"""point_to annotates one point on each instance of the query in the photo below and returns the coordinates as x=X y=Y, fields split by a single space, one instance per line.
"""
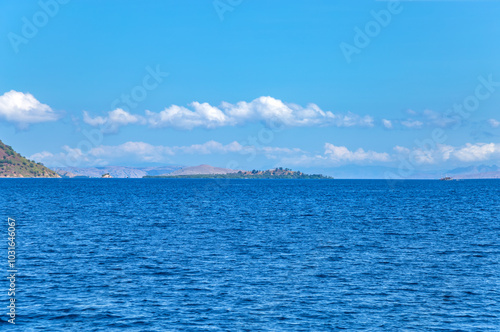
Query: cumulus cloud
x=114 y=120
x=437 y=119
x=68 y=157
x=336 y=155
x=332 y=155
x=387 y=123
x=441 y=153
x=494 y=123
x=137 y=151
x=272 y=111
x=342 y=153
x=438 y=155
x=421 y=156
x=477 y=152
x=202 y=115
x=401 y=149
x=412 y=123
x=23 y=109
x=425 y=118
x=210 y=147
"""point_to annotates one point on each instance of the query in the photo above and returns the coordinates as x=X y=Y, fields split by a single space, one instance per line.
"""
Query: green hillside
x=13 y=165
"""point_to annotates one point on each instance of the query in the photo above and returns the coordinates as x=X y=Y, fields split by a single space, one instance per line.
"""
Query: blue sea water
x=253 y=255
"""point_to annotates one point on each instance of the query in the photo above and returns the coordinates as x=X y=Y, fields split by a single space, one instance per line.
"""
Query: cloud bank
x=136 y=151
x=272 y=111
x=332 y=155
x=23 y=109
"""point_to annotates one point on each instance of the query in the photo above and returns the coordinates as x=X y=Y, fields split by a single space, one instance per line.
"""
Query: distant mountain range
x=381 y=172
x=472 y=172
x=463 y=173
x=476 y=172
x=114 y=171
x=138 y=172
x=202 y=169
x=12 y=164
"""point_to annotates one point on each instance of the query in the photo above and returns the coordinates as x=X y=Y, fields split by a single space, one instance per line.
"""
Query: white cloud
x=213 y=115
x=45 y=156
x=417 y=156
x=436 y=119
x=445 y=151
x=387 y=123
x=23 y=109
x=157 y=153
x=494 y=123
x=442 y=153
x=341 y=153
x=136 y=151
x=272 y=149
x=114 y=120
x=401 y=149
x=423 y=156
x=439 y=155
x=412 y=123
x=425 y=118
x=97 y=121
x=267 y=109
x=210 y=147
x=332 y=155
x=203 y=115
x=478 y=152
x=68 y=157
x=42 y=156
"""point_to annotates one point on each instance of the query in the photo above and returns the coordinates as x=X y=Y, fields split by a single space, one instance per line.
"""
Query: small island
x=277 y=173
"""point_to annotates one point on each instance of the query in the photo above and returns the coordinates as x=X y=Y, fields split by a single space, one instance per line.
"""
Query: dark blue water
x=253 y=255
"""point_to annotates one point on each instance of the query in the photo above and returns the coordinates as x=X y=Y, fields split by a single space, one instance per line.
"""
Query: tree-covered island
x=277 y=173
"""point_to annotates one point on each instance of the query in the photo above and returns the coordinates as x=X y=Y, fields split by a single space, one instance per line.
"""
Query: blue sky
x=312 y=85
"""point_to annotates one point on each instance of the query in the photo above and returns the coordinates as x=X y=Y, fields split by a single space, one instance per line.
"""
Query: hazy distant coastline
x=13 y=165
x=277 y=173
x=207 y=171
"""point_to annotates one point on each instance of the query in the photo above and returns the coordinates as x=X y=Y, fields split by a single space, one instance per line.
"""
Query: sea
x=251 y=255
